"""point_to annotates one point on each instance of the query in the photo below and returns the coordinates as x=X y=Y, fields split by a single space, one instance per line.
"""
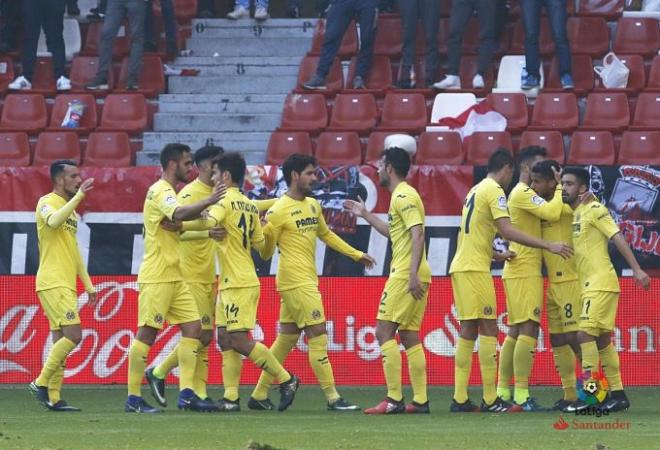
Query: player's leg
x=232 y=365
x=56 y=380
x=391 y=357
x=565 y=359
x=488 y=331
x=204 y=295
x=467 y=309
x=137 y=363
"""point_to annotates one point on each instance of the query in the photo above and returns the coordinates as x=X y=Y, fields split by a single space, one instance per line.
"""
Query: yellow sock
x=55 y=384
x=589 y=357
x=57 y=355
x=488 y=366
x=187 y=361
x=137 y=362
x=201 y=372
x=263 y=358
x=462 y=368
x=417 y=373
x=280 y=349
x=318 y=360
x=392 y=369
x=609 y=359
x=170 y=362
x=565 y=365
x=523 y=360
x=506 y=368
x=232 y=363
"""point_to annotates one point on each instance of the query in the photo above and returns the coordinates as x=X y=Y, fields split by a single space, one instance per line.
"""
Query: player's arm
x=271 y=232
x=264 y=205
x=358 y=208
x=544 y=210
x=257 y=240
x=194 y=210
x=511 y=233
x=86 y=280
x=55 y=218
x=339 y=245
x=194 y=235
x=414 y=285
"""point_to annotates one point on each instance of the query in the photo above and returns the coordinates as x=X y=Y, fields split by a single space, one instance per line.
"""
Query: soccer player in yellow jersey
x=523 y=282
x=59 y=264
x=485 y=213
x=404 y=298
x=294 y=223
x=164 y=296
x=593 y=228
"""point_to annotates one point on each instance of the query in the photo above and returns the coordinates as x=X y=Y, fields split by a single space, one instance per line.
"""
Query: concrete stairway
x=246 y=71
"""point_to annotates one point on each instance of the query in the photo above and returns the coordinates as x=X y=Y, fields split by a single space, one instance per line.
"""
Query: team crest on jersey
x=538 y=201
x=488 y=310
x=158 y=318
x=45 y=209
x=502 y=203
x=170 y=200
x=316 y=314
x=70 y=315
x=537 y=311
x=206 y=319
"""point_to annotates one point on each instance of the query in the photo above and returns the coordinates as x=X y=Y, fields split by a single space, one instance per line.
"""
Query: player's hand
x=642 y=279
x=587 y=198
x=218 y=233
x=504 y=256
x=219 y=191
x=86 y=185
x=367 y=260
x=557 y=175
x=416 y=287
x=91 y=298
x=355 y=207
x=561 y=249
x=169 y=225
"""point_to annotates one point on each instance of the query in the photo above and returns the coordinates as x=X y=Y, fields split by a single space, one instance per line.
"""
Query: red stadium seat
x=467 y=70
x=124 y=112
x=513 y=107
x=120 y=46
x=551 y=140
x=349 y=44
x=376 y=144
x=546 y=44
x=640 y=147
x=654 y=75
x=483 y=144
x=54 y=145
x=152 y=79
x=440 y=148
x=636 y=78
x=334 y=81
x=83 y=71
x=14 y=149
x=24 y=112
x=89 y=118
x=6 y=73
x=588 y=35
x=582 y=71
x=43 y=80
x=647 y=111
x=638 y=35
x=108 y=149
x=555 y=111
x=592 y=147
x=338 y=149
x=404 y=111
x=304 y=112
x=354 y=112
x=284 y=143
x=608 y=9
x=379 y=78
x=184 y=10
x=389 y=36
x=606 y=112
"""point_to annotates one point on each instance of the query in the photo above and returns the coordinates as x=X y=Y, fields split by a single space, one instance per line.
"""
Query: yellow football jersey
x=559 y=269
x=484 y=204
x=59 y=257
x=593 y=227
x=406 y=211
x=240 y=217
x=294 y=226
x=527 y=210
x=161 y=248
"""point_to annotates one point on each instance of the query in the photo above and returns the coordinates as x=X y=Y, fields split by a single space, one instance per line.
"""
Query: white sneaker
x=478 y=82
x=63 y=84
x=238 y=13
x=260 y=13
x=20 y=83
x=450 y=82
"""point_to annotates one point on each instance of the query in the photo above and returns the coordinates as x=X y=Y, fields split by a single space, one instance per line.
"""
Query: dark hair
x=207 y=152
x=544 y=168
x=296 y=163
x=582 y=175
x=172 y=152
x=399 y=159
x=57 y=167
x=234 y=163
x=499 y=160
x=528 y=153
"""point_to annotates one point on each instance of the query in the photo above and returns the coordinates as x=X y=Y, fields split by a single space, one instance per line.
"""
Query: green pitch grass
x=307 y=425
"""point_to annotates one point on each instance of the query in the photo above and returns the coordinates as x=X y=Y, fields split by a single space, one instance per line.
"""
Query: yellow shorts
x=302 y=306
x=564 y=306
x=160 y=302
x=399 y=306
x=238 y=308
x=204 y=295
x=599 y=310
x=474 y=295
x=61 y=307
x=524 y=299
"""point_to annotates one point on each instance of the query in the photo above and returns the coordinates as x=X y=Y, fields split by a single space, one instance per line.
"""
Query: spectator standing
x=72 y=8
x=169 y=20
x=205 y=9
x=242 y=9
x=98 y=14
x=428 y=12
x=294 y=7
x=10 y=11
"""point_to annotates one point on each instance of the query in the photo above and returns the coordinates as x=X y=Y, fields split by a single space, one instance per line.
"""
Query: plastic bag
x=74 y=114
x=613 y=73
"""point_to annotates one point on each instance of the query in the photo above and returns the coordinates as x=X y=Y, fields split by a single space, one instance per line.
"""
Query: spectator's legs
x=531 y=17
x=430 y=20
x=244 y=3
x=115 y=13
x=486 y=16
x=53 y=23
x=169 y=20
x=205 y=6
x=103 y=6
x=501 y=18
x=11 y=24
x=32 y=19
x=556 y=10
x=461 y=11
x=339 y=18
x=261 y=3
x=367 y=17
x=150 y=38
x=322 y=7
x=135 y=9
x=409 y=15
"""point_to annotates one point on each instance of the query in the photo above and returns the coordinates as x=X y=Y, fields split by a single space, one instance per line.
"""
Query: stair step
x=152 y=158
x=216 y=122
x=247 y=23
x=231 y=85
x=249 y=47
x=240 y=69
x=196 y=61
x=226 y=98
x=220 y=107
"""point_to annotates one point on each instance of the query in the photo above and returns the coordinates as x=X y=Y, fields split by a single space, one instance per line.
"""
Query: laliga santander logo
x=592 y=390
x=561 y=424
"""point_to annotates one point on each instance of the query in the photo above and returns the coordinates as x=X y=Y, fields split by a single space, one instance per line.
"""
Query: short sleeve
x=409 y=209
x=166 y=202
x=497 y=203
x=603 y=221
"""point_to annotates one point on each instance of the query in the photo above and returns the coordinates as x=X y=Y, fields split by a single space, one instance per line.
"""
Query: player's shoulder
x=488 y=185
x=405 y=194
x=48 y=198
x=160 y=187
x=189 y=189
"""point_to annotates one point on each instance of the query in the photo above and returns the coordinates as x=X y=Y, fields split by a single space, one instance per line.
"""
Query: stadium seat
x=403 y=111
x=120 y=46
x=480 y=145
x=555 y=111
x=636 y=78
x=283 y=143
x=6 y=73
x=606 y=112
x=654 y=75
x=14 y=150
x=89 y=118
x=582 y=71
x=592 y=147
x=354 y=112
x=54 y=145
x=349 y=44
x=184 y=10
x=334 y=81
x=338 y=149
x=108 y=149
x=438 y=148
x=24 y=112
x=467 y=70
x=588 y=35
x=512 y=106
x=43 y=80
x=376 y=144
x=638 y=35
x=608 y=9
x=389 y=37
x=508 y=75
x=124 y=112
x=72 y=40
x=83 y=71
x=304 y=112
x=551 y=140
x=647 y=112
x=546 y=44
x=640 y=147
x=379 y=78
x=451 y=105
x=152 y=79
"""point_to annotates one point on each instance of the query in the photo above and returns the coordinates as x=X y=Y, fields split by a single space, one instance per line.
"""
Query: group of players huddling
x=550 y=216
